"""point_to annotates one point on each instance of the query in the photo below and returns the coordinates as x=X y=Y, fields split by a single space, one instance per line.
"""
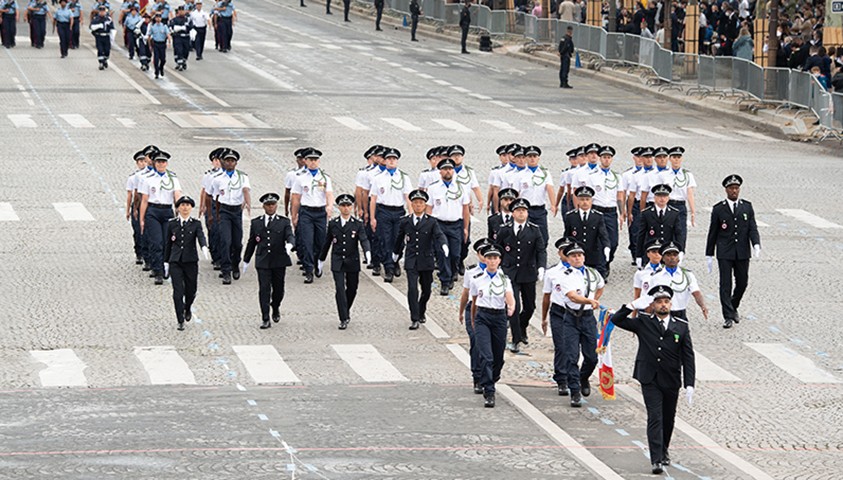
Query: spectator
x=637 y=18
x=837 y=79
x=799 y=53
x=815 y=72
x=579 y=8
x=727 y=30
x=825 y=62
x=783 y=53
x=813 y=60
x=566 y=11
x=743 y=10
x=537 y=10
x=744 y=46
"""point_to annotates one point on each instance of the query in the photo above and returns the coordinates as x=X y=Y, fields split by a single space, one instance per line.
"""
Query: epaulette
x=531 y=223
x=301 y=172
x=628 y=169
x=658 y=270
x=570 y=211
x=679 y=319
x=651 y=208
x=498 y=167
x=434 y=183
x=174 y=219
x=172 y=173
x=478 y=275
x=568 y=271
x=741 y=200
x=595 y=211
x=470 y=267
x=241 y=172
x=671 y=208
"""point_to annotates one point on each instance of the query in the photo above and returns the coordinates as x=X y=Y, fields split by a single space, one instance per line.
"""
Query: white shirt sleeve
x=693 y=286
x=296 y=186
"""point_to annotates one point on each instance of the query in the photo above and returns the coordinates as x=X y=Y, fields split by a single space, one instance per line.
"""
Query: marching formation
x=429 y=228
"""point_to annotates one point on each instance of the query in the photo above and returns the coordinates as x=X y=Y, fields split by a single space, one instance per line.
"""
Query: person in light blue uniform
x=130 y=23
x=125 y=10
x=159 y=38
x=38 y=13
x=75 y=7
x=101 y=27
x=225 y=23
x=9 y=16
x=62 y=21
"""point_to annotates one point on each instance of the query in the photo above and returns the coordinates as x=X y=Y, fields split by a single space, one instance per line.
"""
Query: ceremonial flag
x=604 y=354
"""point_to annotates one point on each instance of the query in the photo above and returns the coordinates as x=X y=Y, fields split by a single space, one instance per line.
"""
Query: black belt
x=313 y=209
x=450 y=223
x=161 y=205
x=537 y=207
x=156 y=42
x=231 y=208
x=62 y=23
x=676 y=202
x=491 y=310
x=391 y=208
x=579 y=313
x=605 y=209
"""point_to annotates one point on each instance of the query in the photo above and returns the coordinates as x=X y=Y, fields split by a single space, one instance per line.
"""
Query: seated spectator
x=815 y=72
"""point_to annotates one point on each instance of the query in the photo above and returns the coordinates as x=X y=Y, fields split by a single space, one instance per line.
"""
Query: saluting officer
x=492 y=300
x=133 y=205
x=312 y=198
x=659 y=221
x=665 y=356
x=182 y=259
x=266 y=232
x=422 y=235
x=346 y=234
x=608 y=199
x=387 y=197
x=448 y=204
x=587 y=227
x=553 y=302
x=159 y=191
x=465 y=311
x=232 y=191
x=206 y=203
x=524 y=261
x=496 y=220
x=732 y=232
x=682 y=281
x=101 y=27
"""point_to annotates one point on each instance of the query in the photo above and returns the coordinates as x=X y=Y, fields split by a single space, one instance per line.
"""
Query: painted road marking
x=710 y=372
x=453 y=125
x=351 y=123
x=798 y=365
x=264 y=364
x=502 y=126
x=76 y=121
x=555 y=127
x=402 y=124
x=807 y=217
x=756 y=135
x=706 y=133
x=164 y=366
x=608 y=130
x=657 y=131
x=367 y=362
x=73 y=212
x=127 y=122
x=22 y=121
x=7 y=213
x=64 y=368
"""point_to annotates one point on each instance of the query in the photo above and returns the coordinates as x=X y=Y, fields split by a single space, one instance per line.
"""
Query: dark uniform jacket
x=593 y=236
x=732 y=233
x=660 y=355
x=415 y=9
x=421 y=240
x=268 y=244
x=524 y=254
x=465 y=17
x=180 y=246
x=566 y=46
x=651 y=229
x=494 y=223
x=346 y=241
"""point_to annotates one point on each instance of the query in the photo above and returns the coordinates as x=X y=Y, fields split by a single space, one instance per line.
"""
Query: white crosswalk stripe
x=480 y=96
x=809 y=218
x=164 y=366
x=710 y=372
x=608 y=130
x=756 y=135
x=502 y=126
x=657 y=131
x=707 y=133
x=330 y=46
x=264 y=364
x=367 y=362
x=526 y=113
x=453 y=125
x=7 y=213
x=22 y=121
x=460 y=89
x=127 y=122
x=351 y=123
x=73 y=212
x=576 y=111
x=544 y=111
x=555 y=127
x=402 y=124
x=796 y=364
x=63 y=368
x=442 y=82
x=500 y=103
x=76 y=121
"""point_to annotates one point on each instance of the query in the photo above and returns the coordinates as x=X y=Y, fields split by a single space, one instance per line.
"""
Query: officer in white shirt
x=232 y=191
x=388 y=198
x=467 y=177
x=159 y=191
x=290 y=177
x=465 y=310
x=492 y=301
x=140 y=177
x=448 y=203
x=682 y=281
x=641 y=280
x=430 y=175
x=508 y=177
x=313 y=200
x=580 y=176
x=363 y=183
x=608 y=199
x=553 y=302
x=206 y=203
x=562 y=194
x=535 y=183
x=494 y=178
x=200 y=20
x=658 y=175
x=133 y=207
x=629 y=187
x=582 y=288
x=682 y=196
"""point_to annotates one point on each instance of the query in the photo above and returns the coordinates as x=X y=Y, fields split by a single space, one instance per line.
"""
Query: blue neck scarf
x=661 y=169
x=160 y=174
x=676 y=170
x=382 y=167
x=533 y=169
x=229 y=173
x=492 y=274
x=566 y=264
x=670 y=270
x=458 y=168
x=592 y=165
x=637 y=168
x=647 y=169
x=481 y=265
x=313 y=172
x=654 y=266
x=605 y=170
x=391 y=170
x=447 y=184
x=581 y=269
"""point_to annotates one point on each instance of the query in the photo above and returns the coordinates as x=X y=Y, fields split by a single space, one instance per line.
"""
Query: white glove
x=681 y=256
x=756 y=251
x=642 y=302
x=689 y=395
x=319 y=265
x=607 y=252
x=206 y=253
x=289 y=248
x=445 y=249
x=96 y=27
x=541 y=273
x=368 y=256
x=394 y=257
x=166 y=269
x=709 y=262
x=638 y=263
x=245 y=267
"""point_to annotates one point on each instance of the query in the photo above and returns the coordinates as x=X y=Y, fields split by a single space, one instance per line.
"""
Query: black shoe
x=657 y=468
x=216 y=266
x=567 y=86
x=576 y=399
x=235 y=274
x=444 y=290
x=396 y=271
x=138 y=261
x=347 y=20
x=489 y=400
x=387 y=277
x=220 y=275
x=461 y=268
x=524 y=339
x=465 y=51
x=181 y=326
x=101 y=67
x=379 y=29
x=301 y=267
x=276 y=316
x=376 y=271
x=265 y=324
x=159 y=279
x=422 y=320
x=308 y=278
x=414 y=325
x=413 y=40
x=477 y=388
x=226 y=279
x=586 y=387
x=562 y=391
x=328 y=13
x=146 y=267
x=188 y=315
x=737 y=318
x=727 y=323
x=369 y=266
x=666 y=459
x=343 y=324
x=152 y=274
x=318 y=272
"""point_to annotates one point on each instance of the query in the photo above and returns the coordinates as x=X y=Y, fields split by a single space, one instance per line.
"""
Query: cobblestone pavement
x=296 y=77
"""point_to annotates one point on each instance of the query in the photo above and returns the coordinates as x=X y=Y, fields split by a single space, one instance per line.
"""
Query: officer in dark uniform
x=101 y=26
x=379 y=4
x=465 y=23
x=180 y=26
x=732 y=231
x=415 y=11
x=181 y=257
x=496 y=220
x=8 y=27
x=38 y=13
x=346 y=6
x=142 y=42
x=665 y=356
x=265 y=232
x=346 y=234
x=421 y=235
x=659 y=221
x=586 y=226
x=566 y=51
x=76 y=7
x=524 y=260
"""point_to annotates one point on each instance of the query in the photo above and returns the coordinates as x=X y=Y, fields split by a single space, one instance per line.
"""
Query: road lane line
x=264 y=364
x=367 y=362
x=7 y=213
x=164 y=366
x=555 y=127
x=402 y=124
x=73 y=212
x=453 y=125
x=756 y=135
x=351 y=123
x=76 y=121
x=807 y=217
x=608 y=130
x=64 y=368
x=201 y=90
x=658 y=131
x=706 y=133
x=796 y=364
x=22 y=121
x=711 y=372
x=502 y=126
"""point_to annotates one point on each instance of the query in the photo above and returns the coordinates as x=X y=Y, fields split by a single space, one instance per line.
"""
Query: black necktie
x=584 y=217
x=661 y=326
x=268 y=221
x=661 y=216
x=416 y=221
x=518 y=230
x=506 y=219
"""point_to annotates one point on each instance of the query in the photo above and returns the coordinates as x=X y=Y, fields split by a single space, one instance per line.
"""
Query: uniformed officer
x=682 y=281
x=496 y=220
x=587 y=227
x=206 y=203
x=535 y=183
x=657 y=175
x=346 y=235
x=467 y=178
x=140 y=177
x=159 y=191
x=387 y=197
x=494 y=181
x=517 y=164
x=423 y=239
x=492 y=301
x=562 y=196
x=346 y=6
x=465 y=311
x=641 y=281
x=312 y=198
x=38 y=13
x=629 y=186
x=290 y=177
x=78 y=19
x=63 y=21
x=374 y=155
x=159 y=39
x=180 y=32
x=657 y=221
x=553 y=303
x=665 y=356
x=524 y=261
x=415 y=11
x=465 y=24
x=232 y=191
x=682 y=196
x=732 y=232
x=182 y=259
x=581 y=161
x=566 y=51
x=133 y=205
x=125 y=9
x=430 y=175
x=101 y=27
x=271 y=241
x=199 y=19
x=580 y=178
x=8 y=22
x=608 y=199
x=142 y=39
x=130 y=23
x=379 y=4
x=448 y=203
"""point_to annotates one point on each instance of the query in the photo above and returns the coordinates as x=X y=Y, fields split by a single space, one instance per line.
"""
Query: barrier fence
x=700 y=73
